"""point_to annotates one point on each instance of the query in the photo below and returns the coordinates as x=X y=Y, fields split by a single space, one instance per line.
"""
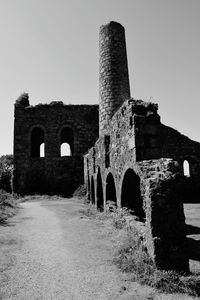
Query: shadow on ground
x=193 y=241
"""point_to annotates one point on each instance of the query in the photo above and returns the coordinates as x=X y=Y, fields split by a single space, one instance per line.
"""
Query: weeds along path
x=50 y=251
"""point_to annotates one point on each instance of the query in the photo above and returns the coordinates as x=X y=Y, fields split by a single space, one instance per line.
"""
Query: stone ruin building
x=134 y=161
x=41 y=164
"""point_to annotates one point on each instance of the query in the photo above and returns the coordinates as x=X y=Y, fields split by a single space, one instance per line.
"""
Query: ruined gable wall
x=52 y=173
x=180 y=148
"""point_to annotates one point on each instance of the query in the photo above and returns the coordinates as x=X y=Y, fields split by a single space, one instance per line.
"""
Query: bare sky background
x=49 y=49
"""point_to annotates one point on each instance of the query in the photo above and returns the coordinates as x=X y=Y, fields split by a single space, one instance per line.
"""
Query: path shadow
x=190 y=229
x=7 y=223
x=193 y=247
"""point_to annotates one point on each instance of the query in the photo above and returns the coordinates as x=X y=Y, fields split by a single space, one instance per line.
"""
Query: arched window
x=131 y=195
x=66 y=142
x=42 y=150
x=186 y=168
x=37 y=142
x=65 y=150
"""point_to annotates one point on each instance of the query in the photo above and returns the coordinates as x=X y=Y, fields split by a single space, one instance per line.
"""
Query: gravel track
x=49 y=251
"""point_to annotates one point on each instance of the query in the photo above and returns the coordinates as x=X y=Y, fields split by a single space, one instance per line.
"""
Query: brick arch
x=111 y=195
x=92 y=191
x=37 y=137
x=131 y=193
x=99 y=191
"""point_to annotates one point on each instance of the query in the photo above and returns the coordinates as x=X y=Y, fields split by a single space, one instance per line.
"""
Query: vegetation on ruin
x=23 y=100
x=8 y=201
x=8 y=206
x=132 y=257
x=6 y=170
x=80 y=192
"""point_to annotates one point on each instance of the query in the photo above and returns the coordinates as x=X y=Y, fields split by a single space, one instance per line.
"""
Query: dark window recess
x=117 y=135
x=66 y=142
x=110 y=190
x=37 y=142
x=107 y=150
x=131 y=121
x=99 y=192
x=92 y=193
x=94 y=161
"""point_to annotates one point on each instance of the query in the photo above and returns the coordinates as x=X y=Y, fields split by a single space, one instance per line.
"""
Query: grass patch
x=131 y=254
x=80 y=193
x=8 y=206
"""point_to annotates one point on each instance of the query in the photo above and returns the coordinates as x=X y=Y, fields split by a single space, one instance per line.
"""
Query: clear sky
x=49 y=49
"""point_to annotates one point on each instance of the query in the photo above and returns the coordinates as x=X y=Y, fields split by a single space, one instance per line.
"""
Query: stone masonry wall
x=137 y=162
x=52 y=173
x=137 y=143
x=113 y=72
x=161 y=190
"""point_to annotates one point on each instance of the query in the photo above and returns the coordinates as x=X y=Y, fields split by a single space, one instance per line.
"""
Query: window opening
x=65 y=150
x=37 y=142
x=107 y=150
x=42 y=150
x=186 y=168
x=66 y=142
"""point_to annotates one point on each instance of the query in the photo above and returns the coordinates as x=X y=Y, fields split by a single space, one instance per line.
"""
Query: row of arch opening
x=130 y=192
x=38 y=142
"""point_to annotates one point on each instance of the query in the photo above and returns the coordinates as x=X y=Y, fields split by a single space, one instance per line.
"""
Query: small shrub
x=80 y=192
x=8 y=206
x=23 y=100
x=6 y=170
x=119 y=217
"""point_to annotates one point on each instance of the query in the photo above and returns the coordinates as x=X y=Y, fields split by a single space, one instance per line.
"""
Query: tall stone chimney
x=113 y=73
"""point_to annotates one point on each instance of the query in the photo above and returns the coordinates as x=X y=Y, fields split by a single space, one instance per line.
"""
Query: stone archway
x=88 y=186
x=111 y=197
x=92 y=191
x=100 y=202
x=131 y=195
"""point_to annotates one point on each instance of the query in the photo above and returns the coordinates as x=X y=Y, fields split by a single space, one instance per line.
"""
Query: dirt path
x=49 y=251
